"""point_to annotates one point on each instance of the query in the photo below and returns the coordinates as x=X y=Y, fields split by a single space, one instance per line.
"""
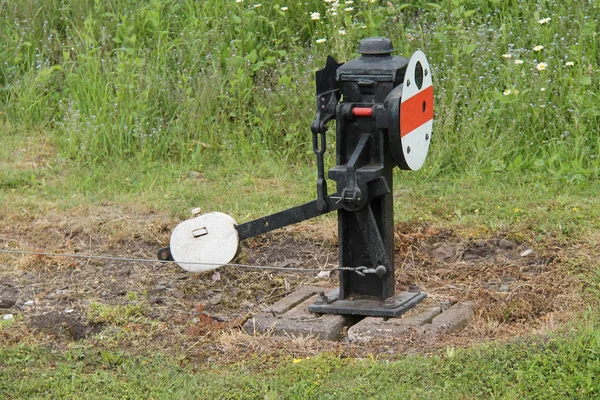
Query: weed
x=6 y=321
x=116 y=314
x=193 y=82
x=206 y=323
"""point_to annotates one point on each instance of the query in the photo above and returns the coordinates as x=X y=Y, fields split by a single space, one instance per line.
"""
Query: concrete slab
x=425 y=320
x=290 y=317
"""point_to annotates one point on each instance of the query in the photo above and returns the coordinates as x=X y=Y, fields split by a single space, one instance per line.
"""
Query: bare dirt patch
x=518 y=289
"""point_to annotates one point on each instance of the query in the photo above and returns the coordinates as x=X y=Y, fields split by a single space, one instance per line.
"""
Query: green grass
x=559 y=367
x=544 y=206
x=176 y=104
x=120 y=314
x=195 y=82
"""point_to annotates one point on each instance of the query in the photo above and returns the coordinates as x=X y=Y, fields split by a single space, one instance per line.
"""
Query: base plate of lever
x=204 y=243
x=392 y=307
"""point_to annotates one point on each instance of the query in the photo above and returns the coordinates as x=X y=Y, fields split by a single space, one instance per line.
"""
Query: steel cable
x=146 y=260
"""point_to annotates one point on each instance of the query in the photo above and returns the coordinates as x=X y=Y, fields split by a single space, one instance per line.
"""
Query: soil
x=519 y=289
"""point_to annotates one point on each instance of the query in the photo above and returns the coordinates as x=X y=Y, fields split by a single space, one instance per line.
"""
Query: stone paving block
x=425 y=320
x=381 y=328
x=453 y=319
x=290 y=317
x=293 y=299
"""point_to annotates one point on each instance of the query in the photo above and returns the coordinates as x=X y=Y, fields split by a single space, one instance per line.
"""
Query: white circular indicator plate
x=204 y=243
x=416 y=111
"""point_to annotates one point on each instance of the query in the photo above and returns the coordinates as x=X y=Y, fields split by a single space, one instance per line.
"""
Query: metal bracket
x=392 y=307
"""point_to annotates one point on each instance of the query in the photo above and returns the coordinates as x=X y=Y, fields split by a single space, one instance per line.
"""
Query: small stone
x=216 y=277
x=7 y=317
x=324 y=274
x=28 y=303
x=160 y=287
x=163 y=282
x=504 y=288
x=218 y=318
x=196 y=320
x=444 y=252
x=69 y=311
x=7 y=302
x=216 y=299
x=178 y=294
x=527 y=252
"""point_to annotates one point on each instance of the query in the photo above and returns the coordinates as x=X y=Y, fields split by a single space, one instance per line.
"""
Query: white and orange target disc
x=416 y=111
x=411 y=106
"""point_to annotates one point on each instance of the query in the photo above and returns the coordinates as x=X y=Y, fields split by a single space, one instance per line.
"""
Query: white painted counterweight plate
x=204 y=243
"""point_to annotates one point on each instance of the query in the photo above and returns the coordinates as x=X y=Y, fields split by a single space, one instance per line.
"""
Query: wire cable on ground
x=146 y=260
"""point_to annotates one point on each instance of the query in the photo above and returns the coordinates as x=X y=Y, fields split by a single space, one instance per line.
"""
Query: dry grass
x=198 y=316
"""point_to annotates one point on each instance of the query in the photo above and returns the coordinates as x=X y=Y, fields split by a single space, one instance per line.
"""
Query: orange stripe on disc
x=415 y=111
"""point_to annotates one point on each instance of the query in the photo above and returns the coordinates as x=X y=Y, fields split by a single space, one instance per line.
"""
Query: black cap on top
x=375 y=46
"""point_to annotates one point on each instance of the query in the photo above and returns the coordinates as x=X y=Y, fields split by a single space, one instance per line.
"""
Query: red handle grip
x=362 y=112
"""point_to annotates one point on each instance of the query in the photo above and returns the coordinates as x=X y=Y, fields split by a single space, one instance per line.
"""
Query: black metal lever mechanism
x=363 y=96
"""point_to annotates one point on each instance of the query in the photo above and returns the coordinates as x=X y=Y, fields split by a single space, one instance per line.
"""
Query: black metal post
x=364 y=160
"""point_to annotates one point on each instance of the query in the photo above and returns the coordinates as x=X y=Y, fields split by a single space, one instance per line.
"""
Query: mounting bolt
x=414 y=289
x=196 y=211
x=322 y=299
x=321 y=206
x=390 y=303
x=380 y=271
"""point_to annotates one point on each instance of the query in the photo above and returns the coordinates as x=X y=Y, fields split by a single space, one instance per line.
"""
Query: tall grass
x=189 y=81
